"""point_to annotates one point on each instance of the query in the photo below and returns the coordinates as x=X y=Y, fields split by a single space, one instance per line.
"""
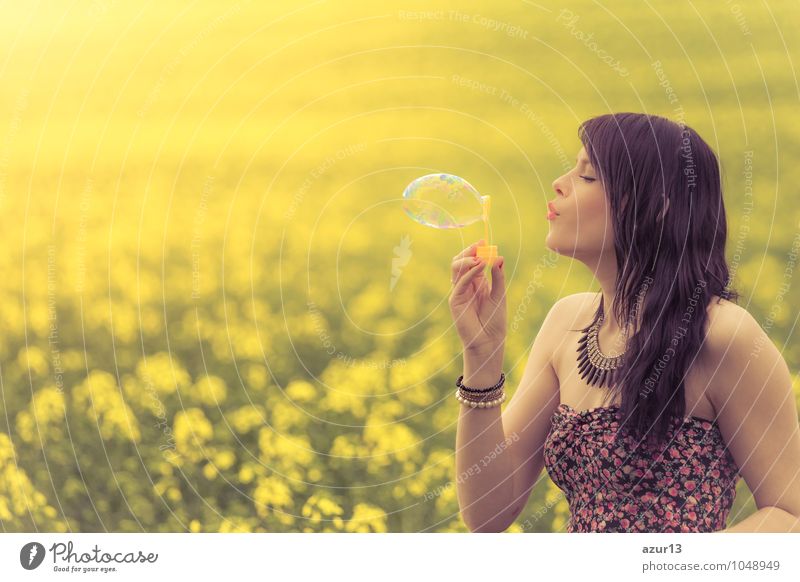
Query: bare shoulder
x=728 y=323
x=566 y=313
x=572 y=310
x=733 y=337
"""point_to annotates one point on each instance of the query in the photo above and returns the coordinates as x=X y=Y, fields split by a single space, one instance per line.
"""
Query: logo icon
x=402 y=254
x=31 y=555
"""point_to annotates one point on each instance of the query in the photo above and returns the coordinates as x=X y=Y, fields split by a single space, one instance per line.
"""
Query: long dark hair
x=669 y=265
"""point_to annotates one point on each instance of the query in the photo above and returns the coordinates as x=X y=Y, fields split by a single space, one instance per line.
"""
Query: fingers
x=466 y=279
x=460 y=266
x=469 y=251
x=498 y=280
x=463 y=261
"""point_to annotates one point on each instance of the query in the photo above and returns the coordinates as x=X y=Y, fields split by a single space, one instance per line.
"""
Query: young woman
x=646 y=401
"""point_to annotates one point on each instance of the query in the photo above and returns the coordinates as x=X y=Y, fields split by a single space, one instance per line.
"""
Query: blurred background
x=216 y=315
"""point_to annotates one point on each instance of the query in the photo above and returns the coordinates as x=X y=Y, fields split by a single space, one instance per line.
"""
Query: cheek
x=593 y=208
x=595 y=214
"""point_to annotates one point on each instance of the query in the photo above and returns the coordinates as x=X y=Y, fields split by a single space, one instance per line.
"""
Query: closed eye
x=588 y=178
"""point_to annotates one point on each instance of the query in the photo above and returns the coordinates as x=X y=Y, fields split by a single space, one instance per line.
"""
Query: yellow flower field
x=216 y=315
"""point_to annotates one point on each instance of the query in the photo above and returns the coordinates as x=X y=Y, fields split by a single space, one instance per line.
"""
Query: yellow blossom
x=367 y=518
x=192 y=431
x=103 y=403
x=163 y=373
x=210 y=390
x=44 y=417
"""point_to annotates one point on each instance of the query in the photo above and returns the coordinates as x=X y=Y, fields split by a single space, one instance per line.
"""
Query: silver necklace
x=593 y=365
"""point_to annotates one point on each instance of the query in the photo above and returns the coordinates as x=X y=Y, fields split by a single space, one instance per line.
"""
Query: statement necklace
x=594 y=366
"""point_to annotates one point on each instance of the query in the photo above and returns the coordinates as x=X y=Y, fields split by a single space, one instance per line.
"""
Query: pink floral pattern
x=689 y=485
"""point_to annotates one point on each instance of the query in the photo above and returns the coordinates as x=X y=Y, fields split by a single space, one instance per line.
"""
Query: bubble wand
x=487 y=251
x=448 y=201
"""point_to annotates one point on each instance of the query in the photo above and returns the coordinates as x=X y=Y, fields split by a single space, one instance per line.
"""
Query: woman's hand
x=479 y=313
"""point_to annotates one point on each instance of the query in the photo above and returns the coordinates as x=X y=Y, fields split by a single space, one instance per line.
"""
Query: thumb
x=498 y=280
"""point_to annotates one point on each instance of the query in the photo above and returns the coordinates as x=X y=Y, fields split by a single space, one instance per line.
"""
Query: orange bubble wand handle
x=487 y=251
x=486 y=203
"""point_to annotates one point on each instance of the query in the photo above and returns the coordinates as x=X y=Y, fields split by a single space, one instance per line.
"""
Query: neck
x=605 y=271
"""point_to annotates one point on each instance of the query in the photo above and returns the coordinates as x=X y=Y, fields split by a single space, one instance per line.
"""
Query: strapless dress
x=687 y=485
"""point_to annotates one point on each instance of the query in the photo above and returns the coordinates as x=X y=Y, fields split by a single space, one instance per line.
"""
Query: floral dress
x=689 y=485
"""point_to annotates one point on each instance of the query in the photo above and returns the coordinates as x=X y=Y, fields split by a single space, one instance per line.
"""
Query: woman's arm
x=757 y=414
x=482 y=482
x=499 y=456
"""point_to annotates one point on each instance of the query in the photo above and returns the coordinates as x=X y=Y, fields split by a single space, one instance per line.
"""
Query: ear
x=663 y=213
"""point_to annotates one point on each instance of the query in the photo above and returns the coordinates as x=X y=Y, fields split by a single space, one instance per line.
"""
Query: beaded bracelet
x=481 y=397
x=481 y=403
x=499 y=384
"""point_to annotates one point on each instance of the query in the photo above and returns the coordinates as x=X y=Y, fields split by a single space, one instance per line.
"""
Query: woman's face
x=583 y=226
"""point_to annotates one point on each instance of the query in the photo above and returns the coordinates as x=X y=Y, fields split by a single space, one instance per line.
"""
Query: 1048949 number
x=756 y=565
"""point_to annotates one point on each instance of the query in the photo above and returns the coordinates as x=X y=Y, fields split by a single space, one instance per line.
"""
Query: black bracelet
x=479 y=390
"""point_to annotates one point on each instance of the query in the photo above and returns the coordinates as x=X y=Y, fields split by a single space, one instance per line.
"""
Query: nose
x=557 y=185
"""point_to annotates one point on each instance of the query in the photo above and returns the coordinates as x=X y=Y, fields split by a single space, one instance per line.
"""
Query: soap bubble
x=443 y=201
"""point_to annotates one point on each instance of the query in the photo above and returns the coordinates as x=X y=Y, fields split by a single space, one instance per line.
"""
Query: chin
x=561 y=249
x=553 y=245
